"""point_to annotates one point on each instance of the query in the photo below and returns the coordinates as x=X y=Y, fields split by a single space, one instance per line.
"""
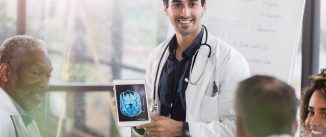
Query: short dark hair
x=166 y=2
x=266 y=105
x=317 y=83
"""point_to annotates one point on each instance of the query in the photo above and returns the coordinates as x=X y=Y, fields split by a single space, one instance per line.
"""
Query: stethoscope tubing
x=193 y=60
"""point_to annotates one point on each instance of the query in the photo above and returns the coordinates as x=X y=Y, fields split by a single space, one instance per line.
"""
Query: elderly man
x=265 y=107
x=25 y=69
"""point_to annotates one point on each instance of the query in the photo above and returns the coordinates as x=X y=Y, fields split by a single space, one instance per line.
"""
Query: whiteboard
x=265 y=32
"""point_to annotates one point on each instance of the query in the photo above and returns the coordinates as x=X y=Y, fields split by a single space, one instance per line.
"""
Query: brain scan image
x=130 y=103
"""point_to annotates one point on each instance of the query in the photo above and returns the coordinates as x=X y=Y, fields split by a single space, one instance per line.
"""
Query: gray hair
x=12 y=46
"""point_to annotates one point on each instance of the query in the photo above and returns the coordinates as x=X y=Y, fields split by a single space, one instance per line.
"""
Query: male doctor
x=25 y=69
x=191 y=77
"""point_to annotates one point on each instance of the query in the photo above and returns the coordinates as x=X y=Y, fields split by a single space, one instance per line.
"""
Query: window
x=8 y=17
x=96 y=41
x=92 y=42
x=322 y=56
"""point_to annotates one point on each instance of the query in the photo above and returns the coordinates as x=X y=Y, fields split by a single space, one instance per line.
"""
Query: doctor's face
x=30 y=78
x=315 y=122
x=185 y=15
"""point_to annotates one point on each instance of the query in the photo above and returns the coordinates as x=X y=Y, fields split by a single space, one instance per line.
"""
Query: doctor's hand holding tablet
x=130 y=102
x=132 y=109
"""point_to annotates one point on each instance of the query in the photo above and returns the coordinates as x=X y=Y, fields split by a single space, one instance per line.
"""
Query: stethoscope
x=189 y=80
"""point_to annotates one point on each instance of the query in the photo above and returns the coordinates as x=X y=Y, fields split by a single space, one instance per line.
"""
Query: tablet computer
x=131 y=102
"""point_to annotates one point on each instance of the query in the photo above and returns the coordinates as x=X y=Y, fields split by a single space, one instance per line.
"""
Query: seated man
x=265 y=107
x=25 y=69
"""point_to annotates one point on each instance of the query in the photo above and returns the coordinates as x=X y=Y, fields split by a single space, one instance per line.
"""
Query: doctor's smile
x=185 y=22
x=317 y=133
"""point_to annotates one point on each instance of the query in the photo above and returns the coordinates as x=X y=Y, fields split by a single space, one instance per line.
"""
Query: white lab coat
x=207 y=115
x=10 y=118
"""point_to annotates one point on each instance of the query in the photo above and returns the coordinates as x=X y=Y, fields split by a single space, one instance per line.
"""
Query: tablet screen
x=131 y=102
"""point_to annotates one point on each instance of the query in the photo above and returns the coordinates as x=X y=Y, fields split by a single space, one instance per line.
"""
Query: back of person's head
x=13 y=46
x=166 y=2
x=265 y=106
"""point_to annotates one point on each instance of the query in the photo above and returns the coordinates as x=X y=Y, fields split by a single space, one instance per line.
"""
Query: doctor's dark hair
x=266 y=106
x=166 y=2
x=13 y=46
x=317 y=83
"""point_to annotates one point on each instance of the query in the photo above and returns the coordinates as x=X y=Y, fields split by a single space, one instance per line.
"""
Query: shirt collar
x=27 y=116
x=191 y=49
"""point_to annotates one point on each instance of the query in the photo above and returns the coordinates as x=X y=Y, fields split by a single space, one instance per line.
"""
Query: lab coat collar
x=27 y=116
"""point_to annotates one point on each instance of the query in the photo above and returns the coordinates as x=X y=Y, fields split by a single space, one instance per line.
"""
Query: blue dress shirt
x=172 y=85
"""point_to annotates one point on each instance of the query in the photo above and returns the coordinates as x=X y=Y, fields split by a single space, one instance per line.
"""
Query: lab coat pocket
x=209 y=108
